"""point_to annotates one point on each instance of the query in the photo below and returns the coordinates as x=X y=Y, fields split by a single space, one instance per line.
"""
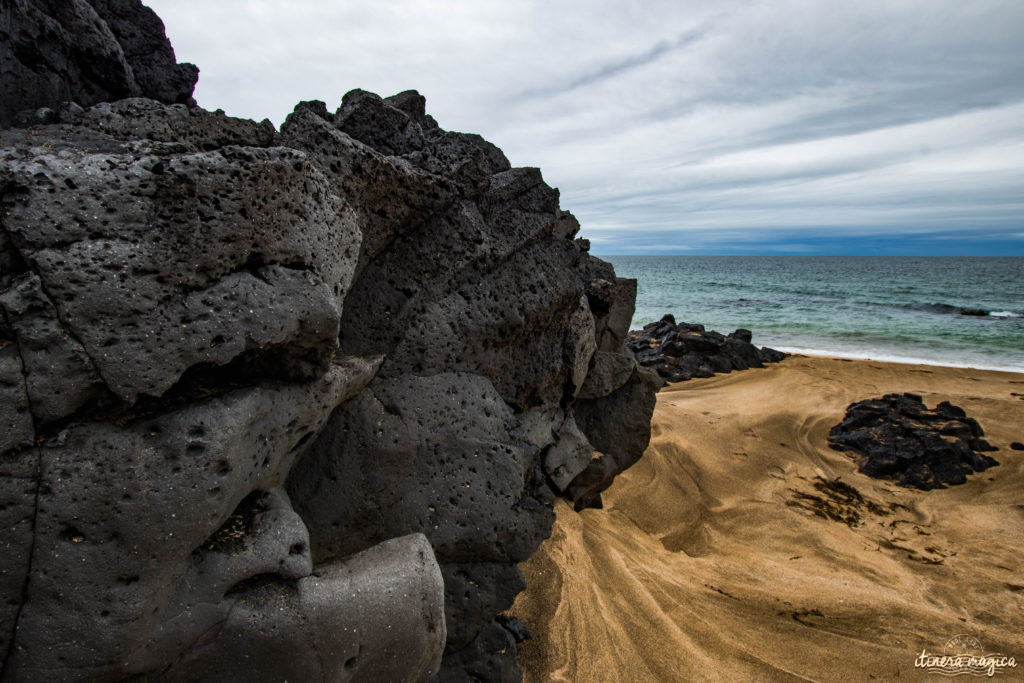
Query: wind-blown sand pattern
x=710 y=560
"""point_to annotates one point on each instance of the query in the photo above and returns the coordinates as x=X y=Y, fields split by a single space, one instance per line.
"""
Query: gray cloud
x=675 y=124
x=611 y=69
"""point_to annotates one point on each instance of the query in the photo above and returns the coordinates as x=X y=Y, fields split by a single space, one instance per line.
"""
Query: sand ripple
x=729 y=552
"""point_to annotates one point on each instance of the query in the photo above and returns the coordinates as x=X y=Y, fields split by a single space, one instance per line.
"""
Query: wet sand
x=710 y=560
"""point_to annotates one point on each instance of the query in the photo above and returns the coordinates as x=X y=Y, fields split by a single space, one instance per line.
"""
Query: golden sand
x=710 y=562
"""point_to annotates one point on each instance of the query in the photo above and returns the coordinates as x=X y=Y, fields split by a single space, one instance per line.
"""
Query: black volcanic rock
x=897 y=437
x=85 y=51
x=147 y=51
x=514 y=626
x=279 y=405
x=618 y=426
x=678 y=352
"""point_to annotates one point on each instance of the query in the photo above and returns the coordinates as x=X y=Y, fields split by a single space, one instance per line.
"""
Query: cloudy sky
x=726 y=126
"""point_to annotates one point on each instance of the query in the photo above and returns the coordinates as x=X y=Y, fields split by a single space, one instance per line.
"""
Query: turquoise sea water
x=894 y=308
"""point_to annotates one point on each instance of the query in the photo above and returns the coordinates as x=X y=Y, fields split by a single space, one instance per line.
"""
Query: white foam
x=893 y=358
x=1004 y=314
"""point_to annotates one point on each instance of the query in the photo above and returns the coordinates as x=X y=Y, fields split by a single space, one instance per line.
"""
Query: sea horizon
x=952 y=311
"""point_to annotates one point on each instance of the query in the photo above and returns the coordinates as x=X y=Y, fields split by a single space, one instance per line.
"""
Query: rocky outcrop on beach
x=678 y=352
x=279 y=404
x=897 y=437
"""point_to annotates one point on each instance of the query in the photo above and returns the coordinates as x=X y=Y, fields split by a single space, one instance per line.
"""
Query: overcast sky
x=874 y=126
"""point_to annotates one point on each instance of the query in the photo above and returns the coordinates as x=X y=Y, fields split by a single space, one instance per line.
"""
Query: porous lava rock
x=897 y=437
x=279 y=404
x=84 y=51
x=678 y=352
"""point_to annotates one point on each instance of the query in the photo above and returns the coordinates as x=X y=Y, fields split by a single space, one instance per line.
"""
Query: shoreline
x=709 y=561
x=895 y=360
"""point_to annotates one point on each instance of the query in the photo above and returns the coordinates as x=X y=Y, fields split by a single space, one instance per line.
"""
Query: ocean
x=891 y=308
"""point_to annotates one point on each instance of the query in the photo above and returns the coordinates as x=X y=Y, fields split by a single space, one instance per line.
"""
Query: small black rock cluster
x=897 y=437
x=682 y=351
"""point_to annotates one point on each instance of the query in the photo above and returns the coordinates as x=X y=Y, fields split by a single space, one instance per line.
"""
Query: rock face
x=279 y=404
x=678 y=352
x=85 y=51
x=897 y=437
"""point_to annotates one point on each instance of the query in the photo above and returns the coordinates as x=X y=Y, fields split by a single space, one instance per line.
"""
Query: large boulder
x=388 y=597
x=278 y=405
x=472 y=287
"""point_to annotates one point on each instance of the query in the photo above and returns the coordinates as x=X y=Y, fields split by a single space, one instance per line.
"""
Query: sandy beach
x=709 y=560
